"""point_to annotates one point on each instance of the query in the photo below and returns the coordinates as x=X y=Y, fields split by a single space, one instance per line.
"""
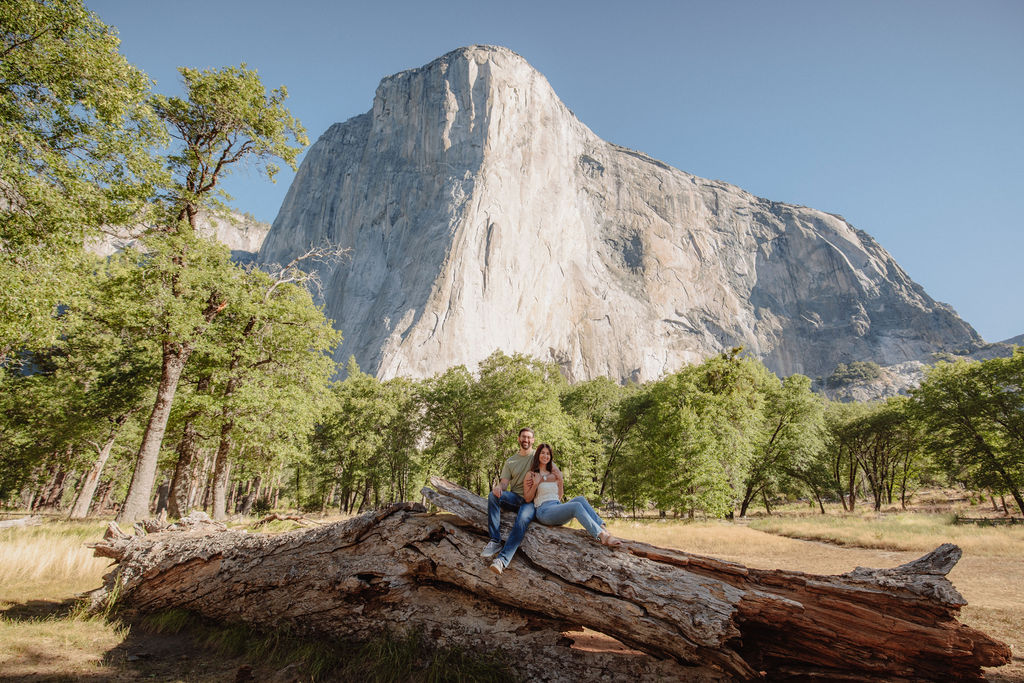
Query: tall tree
x=974 y=418
x=788 y=437
x=75 y=154
x=272 y=339
x=226 y=117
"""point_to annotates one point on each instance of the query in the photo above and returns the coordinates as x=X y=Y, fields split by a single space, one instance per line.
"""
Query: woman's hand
x=530 y=486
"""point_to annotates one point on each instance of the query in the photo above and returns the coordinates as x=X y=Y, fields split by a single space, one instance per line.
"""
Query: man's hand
x=496 y=490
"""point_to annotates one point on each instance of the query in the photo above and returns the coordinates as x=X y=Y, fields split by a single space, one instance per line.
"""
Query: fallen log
x=276 y=517
x=33 y=520
x=403 y=569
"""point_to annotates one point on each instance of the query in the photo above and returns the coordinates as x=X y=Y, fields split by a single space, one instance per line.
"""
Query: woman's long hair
x=535 y=465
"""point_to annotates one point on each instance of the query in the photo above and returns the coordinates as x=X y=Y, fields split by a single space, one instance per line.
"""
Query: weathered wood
x=884 y=623
x=276 y=517
x=404 y=569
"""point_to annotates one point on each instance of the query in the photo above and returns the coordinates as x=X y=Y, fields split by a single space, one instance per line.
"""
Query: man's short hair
x=525 y=429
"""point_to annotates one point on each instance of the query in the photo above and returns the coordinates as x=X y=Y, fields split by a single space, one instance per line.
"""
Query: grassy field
x=990 y=574
x=46 y=637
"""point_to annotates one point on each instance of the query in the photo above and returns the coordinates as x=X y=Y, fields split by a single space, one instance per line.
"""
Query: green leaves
x=226 y=116
x=974 y=418
x=76 y=141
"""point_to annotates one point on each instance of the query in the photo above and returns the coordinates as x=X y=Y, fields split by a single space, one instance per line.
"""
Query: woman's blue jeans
x=553 y=513
x=524 y=515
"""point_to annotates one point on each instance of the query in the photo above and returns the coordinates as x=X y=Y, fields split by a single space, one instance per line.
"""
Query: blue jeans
x=508 y=501
x=554 y=513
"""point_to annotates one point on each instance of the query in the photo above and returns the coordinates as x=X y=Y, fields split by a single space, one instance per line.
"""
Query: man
x=508 y=494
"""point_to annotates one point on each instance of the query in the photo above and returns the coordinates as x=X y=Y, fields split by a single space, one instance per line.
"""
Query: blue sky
x=904 y=116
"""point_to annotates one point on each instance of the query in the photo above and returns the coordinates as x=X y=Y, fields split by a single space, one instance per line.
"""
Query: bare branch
x=326 y=252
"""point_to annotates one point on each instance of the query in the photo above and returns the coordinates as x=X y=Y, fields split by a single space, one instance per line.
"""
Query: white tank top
x=546 y=491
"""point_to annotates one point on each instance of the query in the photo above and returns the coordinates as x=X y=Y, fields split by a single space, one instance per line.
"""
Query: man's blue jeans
x=553 y=513
x=508 y=501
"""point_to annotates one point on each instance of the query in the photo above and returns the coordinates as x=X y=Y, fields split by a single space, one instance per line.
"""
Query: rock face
x=242 y=234
x=483 y=215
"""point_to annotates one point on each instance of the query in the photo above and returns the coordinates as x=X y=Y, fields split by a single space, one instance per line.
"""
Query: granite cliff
x=241 y=233
x=482 y=214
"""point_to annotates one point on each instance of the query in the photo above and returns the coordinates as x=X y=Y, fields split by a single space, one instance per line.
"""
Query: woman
x=543 y=486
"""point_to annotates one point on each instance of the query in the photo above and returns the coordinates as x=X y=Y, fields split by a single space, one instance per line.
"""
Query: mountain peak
x=483 y=215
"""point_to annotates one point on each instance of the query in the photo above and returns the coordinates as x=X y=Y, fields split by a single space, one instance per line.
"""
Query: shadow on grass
x=178 y=644
x=34 y=610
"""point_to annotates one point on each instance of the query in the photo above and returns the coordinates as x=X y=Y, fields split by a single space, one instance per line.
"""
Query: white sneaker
x=497 y=566
x=491 y=549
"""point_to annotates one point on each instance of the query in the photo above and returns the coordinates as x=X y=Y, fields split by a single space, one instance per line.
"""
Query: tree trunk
x=43 y=494
x=853 y=481
x=254 y=493
x=178 y=502
x=403 y=570
x=162 y=492
x=748 y=496
x=221 y=470
x=28 y=496
x=200 y=481
x=136 y=503
x=55 y=492
x=106 y=490
x=80 y=508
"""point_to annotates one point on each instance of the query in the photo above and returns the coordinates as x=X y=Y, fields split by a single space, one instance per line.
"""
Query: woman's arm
x=530 y=486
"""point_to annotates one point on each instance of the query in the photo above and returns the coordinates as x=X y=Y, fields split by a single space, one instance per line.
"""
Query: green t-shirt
x=515 y=469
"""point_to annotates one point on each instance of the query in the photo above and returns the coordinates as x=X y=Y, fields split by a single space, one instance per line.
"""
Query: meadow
x=49 y=636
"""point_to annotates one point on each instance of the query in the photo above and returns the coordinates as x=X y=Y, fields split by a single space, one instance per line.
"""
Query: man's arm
x=499 y=487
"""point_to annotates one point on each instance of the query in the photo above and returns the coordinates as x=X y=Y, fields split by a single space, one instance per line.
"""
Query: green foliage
x=786 y=442
x=694 y=436
x=854 y=373
x=973 y=417
x=364 y=448
x=225 y=117
x=75 y=143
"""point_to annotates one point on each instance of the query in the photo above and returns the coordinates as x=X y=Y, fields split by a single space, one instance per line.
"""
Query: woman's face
x=544 y=457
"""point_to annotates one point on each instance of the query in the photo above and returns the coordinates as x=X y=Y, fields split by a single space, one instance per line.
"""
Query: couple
x=532 y=484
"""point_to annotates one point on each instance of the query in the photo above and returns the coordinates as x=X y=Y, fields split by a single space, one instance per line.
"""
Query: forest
x=168 y=376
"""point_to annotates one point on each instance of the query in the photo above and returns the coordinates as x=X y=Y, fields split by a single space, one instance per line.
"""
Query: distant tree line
x=169 y=377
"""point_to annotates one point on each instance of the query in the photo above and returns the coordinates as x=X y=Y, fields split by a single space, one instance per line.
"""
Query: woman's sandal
x=607 y=539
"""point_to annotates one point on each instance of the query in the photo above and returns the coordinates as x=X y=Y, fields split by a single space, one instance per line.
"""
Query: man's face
x=525 y=440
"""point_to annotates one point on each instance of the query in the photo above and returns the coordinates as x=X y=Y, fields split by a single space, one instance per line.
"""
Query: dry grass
x=989 y=576
x=55 y=646
x=918 y=532
x=50 y=561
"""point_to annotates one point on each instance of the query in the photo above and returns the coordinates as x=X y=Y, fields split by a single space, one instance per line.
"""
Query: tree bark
x=162 y=493
x=136 y=503
x=254 y=493
x=401 y=569
x=43 y=494
x=178 y=498
x=200 y=479
x=221 y=472
x=106 y=490
x=80 y=508
x=55 y=494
